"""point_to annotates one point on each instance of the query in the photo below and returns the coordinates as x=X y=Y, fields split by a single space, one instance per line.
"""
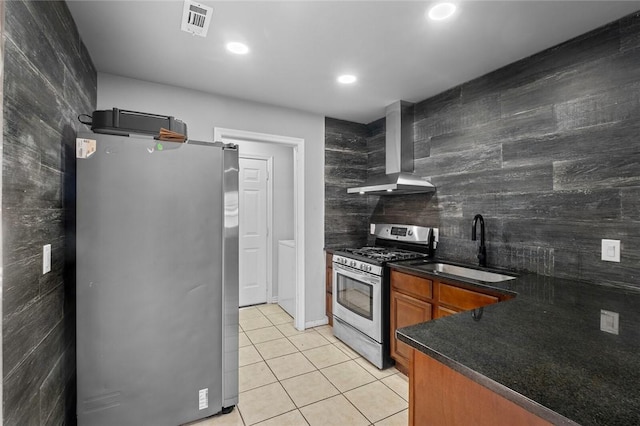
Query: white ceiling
x=298 y=48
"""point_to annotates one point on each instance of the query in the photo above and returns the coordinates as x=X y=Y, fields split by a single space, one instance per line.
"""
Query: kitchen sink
x=464 y=272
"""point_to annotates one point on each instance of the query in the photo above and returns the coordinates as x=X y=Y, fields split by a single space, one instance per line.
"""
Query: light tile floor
x=288 y=377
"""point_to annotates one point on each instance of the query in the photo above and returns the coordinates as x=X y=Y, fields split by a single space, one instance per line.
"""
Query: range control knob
x=410 y=232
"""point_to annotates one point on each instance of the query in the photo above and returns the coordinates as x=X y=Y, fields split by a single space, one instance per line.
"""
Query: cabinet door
x=329 y=288
x=463 y=299
x=439 y=395
x=405 y=311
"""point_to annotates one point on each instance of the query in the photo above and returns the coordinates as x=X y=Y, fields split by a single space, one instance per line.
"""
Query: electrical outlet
x=46 y=259
x=609 y=321
x=611 y=250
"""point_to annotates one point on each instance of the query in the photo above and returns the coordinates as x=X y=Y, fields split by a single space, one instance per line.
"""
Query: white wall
x=202 y=112
x=282 y=196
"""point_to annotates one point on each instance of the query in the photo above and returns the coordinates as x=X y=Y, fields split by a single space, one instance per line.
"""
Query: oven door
x=357 y=298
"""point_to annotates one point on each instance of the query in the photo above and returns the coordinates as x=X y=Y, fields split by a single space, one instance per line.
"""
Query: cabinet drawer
x=410 y=284
x=464 y=299
x=443 y=312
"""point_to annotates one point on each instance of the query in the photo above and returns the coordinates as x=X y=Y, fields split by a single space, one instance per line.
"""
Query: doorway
x=254 y=229
x=297 y=148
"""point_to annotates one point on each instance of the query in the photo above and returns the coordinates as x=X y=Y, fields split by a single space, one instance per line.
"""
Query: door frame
x=234 y=135
x=269 y=160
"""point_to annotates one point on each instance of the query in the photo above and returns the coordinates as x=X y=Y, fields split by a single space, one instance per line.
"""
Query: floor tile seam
x=333 y=396
x=288 y=396
x=279 y=338
x=379 y=420
x=266 y=384
x=338 y=348
x=274 y=324
x=336 y=386
x=304 y=417
x=338 y=363
x=354 y=360
x=312 y=363
x=240 y=414
x=359 y=386
x=281 y=414
x=259 y=354
x=311 y=403
x=251 y=363
x=241 y=310
x=300 y=350
x=255 y=311
x=392 y=390
x=261 y=386
x=357 y=409
x=391 y=415
x=297 y=375
x=245 y=318
x=257 y=328
x=344 y=352
x=265 y=341
x=360 y=411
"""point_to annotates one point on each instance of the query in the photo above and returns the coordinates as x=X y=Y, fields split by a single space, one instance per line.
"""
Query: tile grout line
x=298 y=350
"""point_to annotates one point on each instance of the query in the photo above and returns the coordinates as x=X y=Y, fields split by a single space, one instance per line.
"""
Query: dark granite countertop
x=544 y=349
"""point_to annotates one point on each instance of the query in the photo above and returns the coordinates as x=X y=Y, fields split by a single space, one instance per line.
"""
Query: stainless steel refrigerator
x=157 y=280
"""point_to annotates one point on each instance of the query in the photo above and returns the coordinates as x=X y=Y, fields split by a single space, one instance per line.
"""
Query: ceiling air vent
x=196 y=18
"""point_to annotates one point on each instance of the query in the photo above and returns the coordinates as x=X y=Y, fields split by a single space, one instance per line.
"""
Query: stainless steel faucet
x=482 y=250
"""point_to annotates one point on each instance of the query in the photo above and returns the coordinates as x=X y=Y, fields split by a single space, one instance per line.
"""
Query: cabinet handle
x=476 y=314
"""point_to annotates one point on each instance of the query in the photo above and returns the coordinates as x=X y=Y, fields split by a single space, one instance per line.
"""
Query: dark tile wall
x=49 y=79
x=547 y=149
x=346 y=216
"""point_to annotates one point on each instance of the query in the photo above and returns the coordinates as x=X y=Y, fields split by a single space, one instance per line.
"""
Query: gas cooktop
x=382 y=254
x=392 y=243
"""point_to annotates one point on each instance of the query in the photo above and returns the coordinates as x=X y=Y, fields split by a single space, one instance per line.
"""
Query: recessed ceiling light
x=442 y=11
x=347 y=79
x=237 y=48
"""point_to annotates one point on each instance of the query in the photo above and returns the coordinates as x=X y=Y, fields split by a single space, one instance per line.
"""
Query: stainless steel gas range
x=361 y=286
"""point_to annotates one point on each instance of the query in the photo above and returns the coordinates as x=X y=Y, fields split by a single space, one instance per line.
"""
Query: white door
x=253 y=231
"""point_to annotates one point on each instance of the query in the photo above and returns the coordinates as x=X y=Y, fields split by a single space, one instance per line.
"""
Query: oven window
x=355 y=296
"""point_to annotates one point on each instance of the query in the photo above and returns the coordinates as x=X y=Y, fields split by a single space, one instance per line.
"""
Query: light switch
x=611 y=250
x=46 y=259
x=609 y=321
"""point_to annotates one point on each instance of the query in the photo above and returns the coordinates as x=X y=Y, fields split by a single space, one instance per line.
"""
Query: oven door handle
x=357 y=274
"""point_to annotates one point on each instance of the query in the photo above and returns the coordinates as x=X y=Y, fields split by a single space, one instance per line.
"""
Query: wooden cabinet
x=442 y=311
x=460 y=299
x=406 y=310
x=439 y=395
x=411 y=303
x=329 y=290
x=416 y=299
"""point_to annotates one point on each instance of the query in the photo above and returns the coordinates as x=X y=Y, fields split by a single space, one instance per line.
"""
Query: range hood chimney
x=399 y=178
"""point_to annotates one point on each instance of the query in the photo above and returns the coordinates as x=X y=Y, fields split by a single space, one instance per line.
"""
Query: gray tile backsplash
x=547 y=149
x=49 y=79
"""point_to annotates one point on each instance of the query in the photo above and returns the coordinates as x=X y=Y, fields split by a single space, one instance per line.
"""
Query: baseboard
x=316 y=323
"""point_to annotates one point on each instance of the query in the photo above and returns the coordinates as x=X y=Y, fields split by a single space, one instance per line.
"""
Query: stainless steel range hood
x=399 y=178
